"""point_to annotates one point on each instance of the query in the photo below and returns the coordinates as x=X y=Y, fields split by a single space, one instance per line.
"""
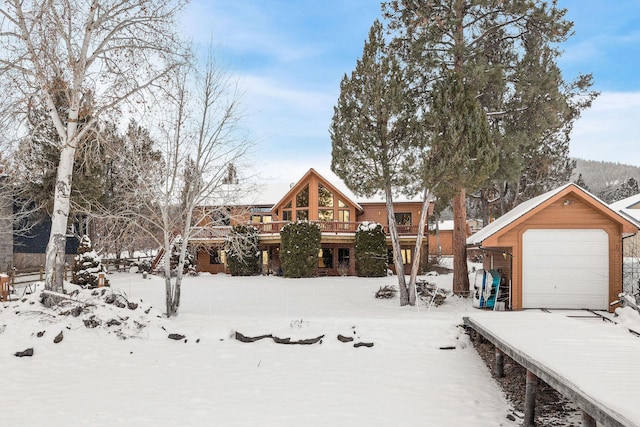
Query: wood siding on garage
x=569 y=212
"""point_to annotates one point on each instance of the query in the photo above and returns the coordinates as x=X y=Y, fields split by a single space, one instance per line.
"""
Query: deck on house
x=593 y=364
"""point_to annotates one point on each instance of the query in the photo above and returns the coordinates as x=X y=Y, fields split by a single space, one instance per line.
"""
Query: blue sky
x=290 y=55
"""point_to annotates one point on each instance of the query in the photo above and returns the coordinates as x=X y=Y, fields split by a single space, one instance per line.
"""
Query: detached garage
x=562 y=249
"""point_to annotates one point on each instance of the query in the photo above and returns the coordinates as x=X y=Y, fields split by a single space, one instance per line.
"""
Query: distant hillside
x=602 y=175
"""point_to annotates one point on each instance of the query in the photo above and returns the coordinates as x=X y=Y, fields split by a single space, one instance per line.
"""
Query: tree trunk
x=54 y=257
x=397 y=251
x=418 y=249
x=460 y=271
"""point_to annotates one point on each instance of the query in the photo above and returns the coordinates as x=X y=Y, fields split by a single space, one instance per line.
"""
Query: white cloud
x=610 y=129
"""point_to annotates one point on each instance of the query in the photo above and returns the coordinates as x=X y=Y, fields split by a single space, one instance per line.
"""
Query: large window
x=287 y=215
x=343 y=257
x=302 y=215
x=325 y=197
x=406 y=254
x=302 y=198
x=403 y=218
x=325 y=258
x=343 y=217
x=215 y=256
x=325 y=214
x=256 y=219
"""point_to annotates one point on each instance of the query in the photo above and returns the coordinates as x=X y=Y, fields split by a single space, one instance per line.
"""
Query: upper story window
x=325 y=196
x=341 y=204
x=403 y=218
x=288 y=205
x=302 y=198
x=258 y=209
x=256 y=219
x=325 y=214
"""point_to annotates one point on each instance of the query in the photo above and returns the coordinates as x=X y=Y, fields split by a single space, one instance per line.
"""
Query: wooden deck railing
x=336 y=227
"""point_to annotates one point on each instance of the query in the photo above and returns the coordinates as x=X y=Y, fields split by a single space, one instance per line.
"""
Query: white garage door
x=565 y=269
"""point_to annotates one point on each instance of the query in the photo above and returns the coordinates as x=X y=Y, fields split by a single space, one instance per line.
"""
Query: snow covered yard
x=95 y=378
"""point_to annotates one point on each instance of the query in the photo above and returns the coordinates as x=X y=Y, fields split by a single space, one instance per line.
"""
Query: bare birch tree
x=200 y=138
x=116 y=50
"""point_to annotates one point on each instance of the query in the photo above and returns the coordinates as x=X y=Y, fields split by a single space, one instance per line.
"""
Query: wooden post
x=530 y=400
x=101 y=279
x=588 y=420
x=499 y=364
x=4 y=287
x=41 y=273
x=13 y=276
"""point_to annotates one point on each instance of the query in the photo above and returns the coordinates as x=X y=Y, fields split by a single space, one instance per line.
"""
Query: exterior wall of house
x=575 y=214
x=211 y=260
x=445 y=239
x=377 y=212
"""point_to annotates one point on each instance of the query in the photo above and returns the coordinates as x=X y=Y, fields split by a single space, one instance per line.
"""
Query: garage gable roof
x=526 y=209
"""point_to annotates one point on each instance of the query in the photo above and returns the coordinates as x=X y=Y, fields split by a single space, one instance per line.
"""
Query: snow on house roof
x=443 y=225
x=270 y=190
x=629 y=207
x=526 y=207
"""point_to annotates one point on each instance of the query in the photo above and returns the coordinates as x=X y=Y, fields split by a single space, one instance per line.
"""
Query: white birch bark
x=415 y=266
x=397 y=250
x=112 y=50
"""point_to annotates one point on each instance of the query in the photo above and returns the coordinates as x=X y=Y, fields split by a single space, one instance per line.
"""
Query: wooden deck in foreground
x=595 y=365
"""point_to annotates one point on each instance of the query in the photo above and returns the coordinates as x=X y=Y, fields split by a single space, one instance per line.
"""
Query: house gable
x=314 y=198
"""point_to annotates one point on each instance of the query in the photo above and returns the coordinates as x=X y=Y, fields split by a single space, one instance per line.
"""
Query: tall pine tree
x=373 y=132
x=503 y=48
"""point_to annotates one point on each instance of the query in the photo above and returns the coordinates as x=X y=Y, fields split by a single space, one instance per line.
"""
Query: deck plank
x=592 y=364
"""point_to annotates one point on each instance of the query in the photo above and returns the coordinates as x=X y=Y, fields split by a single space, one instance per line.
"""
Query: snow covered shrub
x=189 y=260
x=371 y=250
x=299 y=248
x=243 y=255
x=87 y=265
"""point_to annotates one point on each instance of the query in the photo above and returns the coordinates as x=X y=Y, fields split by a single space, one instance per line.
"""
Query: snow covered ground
x=96 y=377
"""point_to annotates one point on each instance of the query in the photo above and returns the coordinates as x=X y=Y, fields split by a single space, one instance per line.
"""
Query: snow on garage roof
x=526 y=207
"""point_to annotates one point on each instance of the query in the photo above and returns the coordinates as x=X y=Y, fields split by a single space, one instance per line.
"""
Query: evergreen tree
x=299 y=248
x=374 y=132
x=87 y=265
x=580 y=183
x=242 y=250
x=371 y=250
x=614 y=193
x=36 y=161
x=507 y=50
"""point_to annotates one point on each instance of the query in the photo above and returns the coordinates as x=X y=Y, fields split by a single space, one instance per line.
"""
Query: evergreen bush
x=87 y=265
x=299 y=248
x=371 y=250
x=243 y=256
